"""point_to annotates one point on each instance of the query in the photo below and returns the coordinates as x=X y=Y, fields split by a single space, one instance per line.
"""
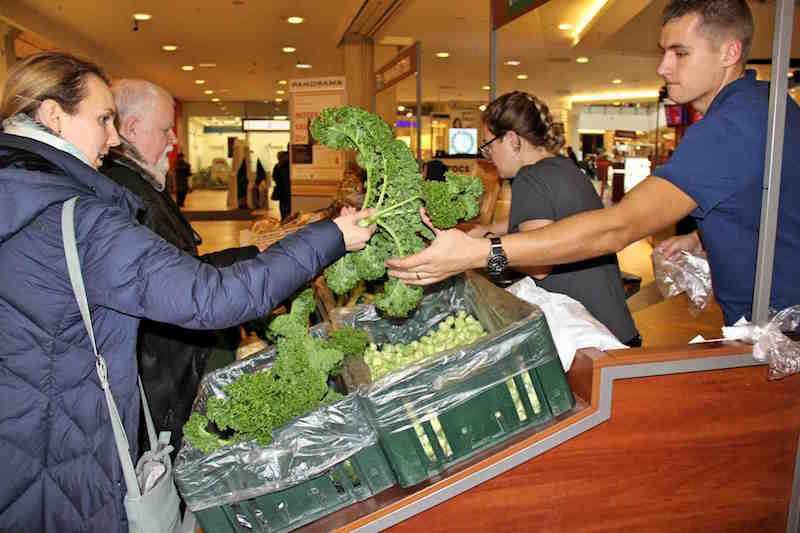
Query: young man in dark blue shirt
x=715 y=175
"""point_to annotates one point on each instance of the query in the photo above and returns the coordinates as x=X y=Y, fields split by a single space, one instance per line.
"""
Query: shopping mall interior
x=248 y=77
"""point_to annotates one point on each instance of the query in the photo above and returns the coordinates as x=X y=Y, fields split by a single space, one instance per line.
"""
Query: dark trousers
x=286 y=207
x=180 y=197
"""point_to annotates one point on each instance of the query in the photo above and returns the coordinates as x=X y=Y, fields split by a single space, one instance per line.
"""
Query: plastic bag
x=769 y=342
x=689 y=273
x=518 y=339
x=304 y=448
x=571 y=324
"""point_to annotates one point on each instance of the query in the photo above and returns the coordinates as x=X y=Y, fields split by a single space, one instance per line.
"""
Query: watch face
x=497 y=263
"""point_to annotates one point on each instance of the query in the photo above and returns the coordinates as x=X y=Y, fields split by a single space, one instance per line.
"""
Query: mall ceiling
x=244 y=38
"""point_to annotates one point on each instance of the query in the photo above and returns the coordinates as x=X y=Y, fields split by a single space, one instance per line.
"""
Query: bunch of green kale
x=256 y=403
x=395 y=188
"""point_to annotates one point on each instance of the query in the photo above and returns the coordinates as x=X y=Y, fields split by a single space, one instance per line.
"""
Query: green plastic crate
x=528 y=399
x=362 y=476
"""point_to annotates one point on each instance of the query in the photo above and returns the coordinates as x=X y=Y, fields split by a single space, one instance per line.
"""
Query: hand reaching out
x=355 y=237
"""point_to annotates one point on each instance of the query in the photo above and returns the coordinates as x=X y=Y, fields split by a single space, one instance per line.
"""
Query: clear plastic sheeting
x=770 y=344
x=517 y=340
x=303 y=449
x=687 y=272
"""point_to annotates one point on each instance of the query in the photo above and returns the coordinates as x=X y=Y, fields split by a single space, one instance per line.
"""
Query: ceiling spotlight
x=295 y=20
x=616 y=81
x=522 y=76
x=215 y=99
x=199 y=82
x=282 y=82
x=442 y=55
x=565 y=26
x=169 y=47
x=280 y=117
x=279 y=100
x=512 y=63
x=206 y=65
x=187 y=67
x=401 y=108
x=486 y=87
x=409 y=114
x=289 y=49
x=280 y=91
x=582 y=60
x=142 y=16
x=208 y=91
x=482 y=107
x=303 y=65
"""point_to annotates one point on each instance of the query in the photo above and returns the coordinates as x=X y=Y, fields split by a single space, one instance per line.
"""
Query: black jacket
x=171 y=359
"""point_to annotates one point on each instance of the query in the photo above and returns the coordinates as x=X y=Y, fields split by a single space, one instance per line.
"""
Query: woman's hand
x=355 y=237
x=675 y=245
x=451 y=253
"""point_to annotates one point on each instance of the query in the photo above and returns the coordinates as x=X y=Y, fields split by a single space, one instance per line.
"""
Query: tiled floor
x=661 y=323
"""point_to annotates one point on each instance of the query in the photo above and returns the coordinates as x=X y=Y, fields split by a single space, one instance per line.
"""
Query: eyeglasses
x=485 y=149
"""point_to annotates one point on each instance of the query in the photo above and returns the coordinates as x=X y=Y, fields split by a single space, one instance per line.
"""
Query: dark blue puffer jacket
x=59 y=470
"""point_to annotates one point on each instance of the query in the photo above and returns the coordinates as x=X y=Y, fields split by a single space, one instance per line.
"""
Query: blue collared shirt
x=720 y=165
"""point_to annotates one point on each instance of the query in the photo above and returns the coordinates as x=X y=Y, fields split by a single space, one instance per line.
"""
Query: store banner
x=504 y=11
x=311 y=85
x=399 y=68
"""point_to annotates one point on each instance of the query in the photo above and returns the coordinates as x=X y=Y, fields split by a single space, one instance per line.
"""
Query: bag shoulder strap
x=79 y=289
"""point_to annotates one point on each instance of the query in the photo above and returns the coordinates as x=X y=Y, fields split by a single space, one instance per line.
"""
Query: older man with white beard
x=171 y=359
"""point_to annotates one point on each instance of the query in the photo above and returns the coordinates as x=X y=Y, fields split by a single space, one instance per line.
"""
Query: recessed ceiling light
x=295 y=20
x=289 y=49
x=409 y=114
x=215 y=99
x=199 y=82
x=582 y=60
x=522 y=76
x=208 y=91
x=280 y=117
x=169 y=47
x=303 y=65
x=482 y=107
x=486 y=87
x=279 y=100
x=206 y=65
x=616 y=81
x=565 y=26
x=442 y=54
x=512 y=63
x=401 y=108
x=187 y=67
x=142 y=16
x=280 y=91
x=282 y=82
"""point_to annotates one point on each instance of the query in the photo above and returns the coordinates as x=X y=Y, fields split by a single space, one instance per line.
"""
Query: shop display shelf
x=364 y=475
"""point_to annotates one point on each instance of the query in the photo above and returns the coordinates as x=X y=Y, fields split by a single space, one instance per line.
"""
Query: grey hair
x=136 y=97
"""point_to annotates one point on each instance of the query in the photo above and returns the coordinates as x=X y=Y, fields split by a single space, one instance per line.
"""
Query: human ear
x=129 y=127
x=50 y=114
x=514 y=139
x=731 y=52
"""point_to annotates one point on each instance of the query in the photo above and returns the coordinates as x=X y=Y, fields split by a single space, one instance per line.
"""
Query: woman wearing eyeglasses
x=523 y=144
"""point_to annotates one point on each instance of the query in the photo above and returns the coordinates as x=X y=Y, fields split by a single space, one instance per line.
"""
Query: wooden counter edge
x=584 y=377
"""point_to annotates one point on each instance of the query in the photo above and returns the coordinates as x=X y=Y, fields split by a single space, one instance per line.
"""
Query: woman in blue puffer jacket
x=60 y=470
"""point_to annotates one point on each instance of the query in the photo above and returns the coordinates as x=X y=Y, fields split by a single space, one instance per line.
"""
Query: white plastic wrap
x=770 y=344
x=689 y=273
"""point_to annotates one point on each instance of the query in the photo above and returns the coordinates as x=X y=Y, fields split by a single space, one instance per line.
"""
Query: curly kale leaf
x=196 y=431
x=349 y=340
x=398 y=299
x=456 y=198
x=342 y=275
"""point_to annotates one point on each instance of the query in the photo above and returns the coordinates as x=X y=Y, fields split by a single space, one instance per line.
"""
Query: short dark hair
x=527 y=116
x=719 y=18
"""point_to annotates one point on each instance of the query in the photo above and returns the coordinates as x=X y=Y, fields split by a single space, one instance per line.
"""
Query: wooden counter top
x=688 y=438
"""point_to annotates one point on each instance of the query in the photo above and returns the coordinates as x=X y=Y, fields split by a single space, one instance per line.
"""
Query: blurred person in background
x=281 y=186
